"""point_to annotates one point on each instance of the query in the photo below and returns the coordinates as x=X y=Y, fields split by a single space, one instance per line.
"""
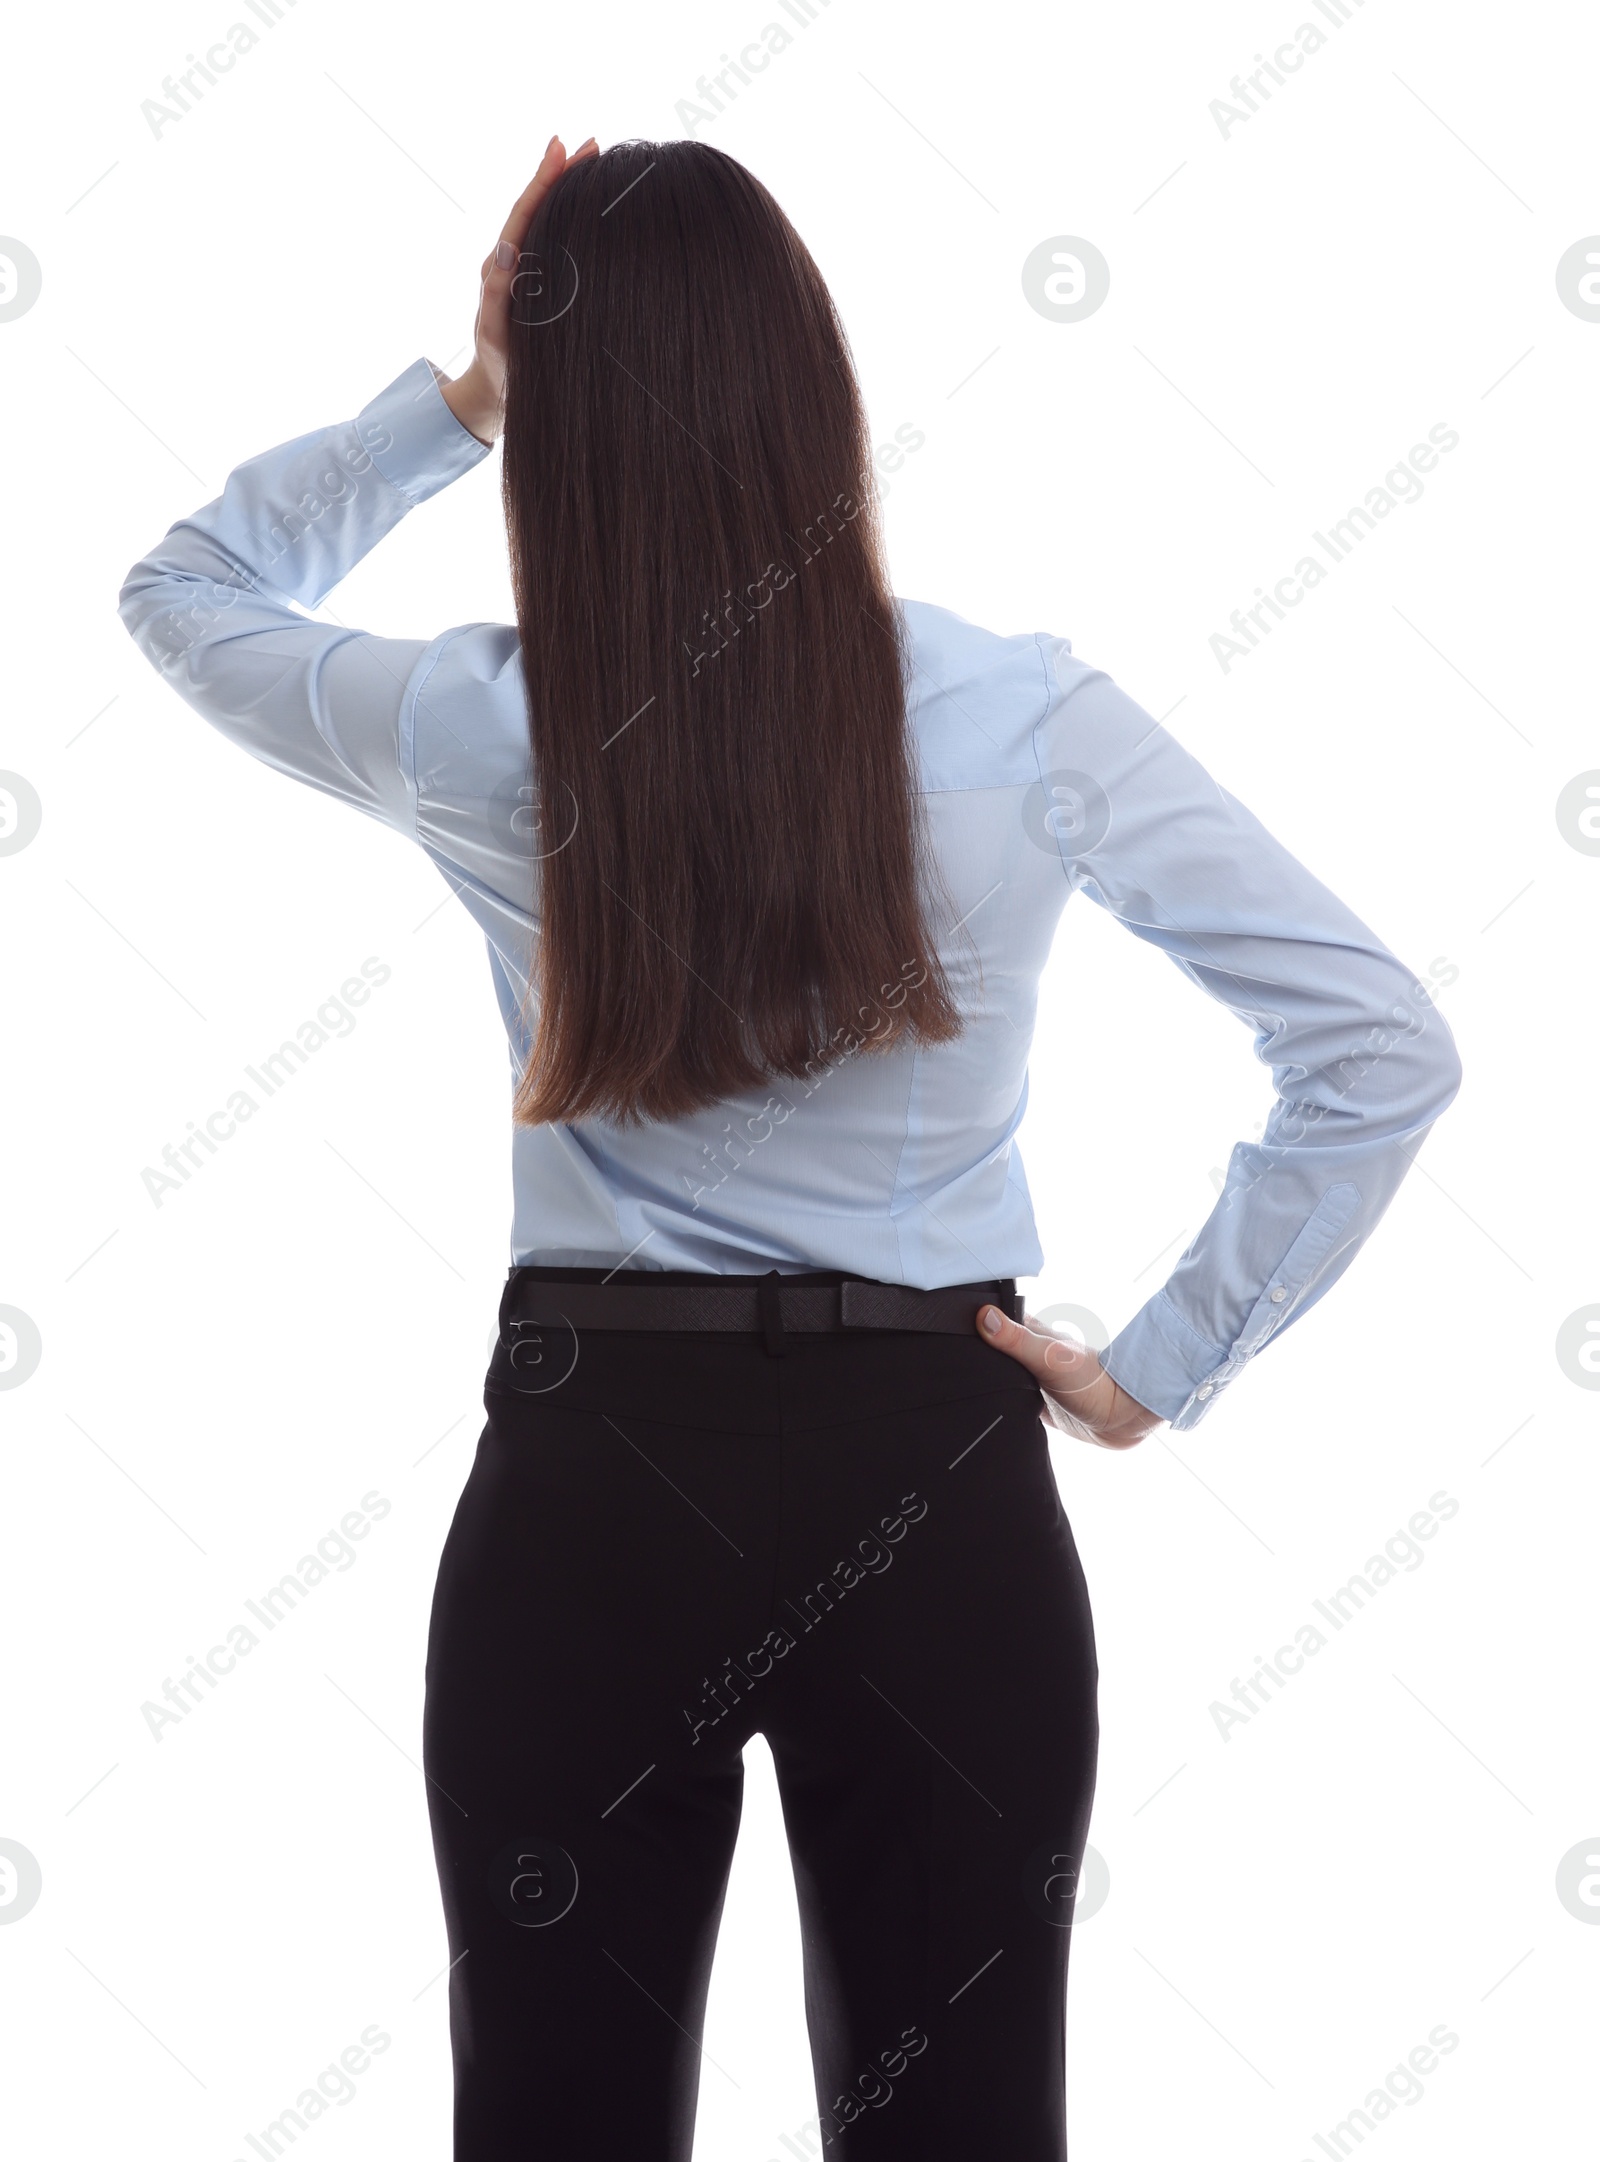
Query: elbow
x=1400 y=1080
x=162 y=614
x=1428 y=1069
x=134 y=599
x=1450 y=1081
x=133 y=603
x=1442 y=1070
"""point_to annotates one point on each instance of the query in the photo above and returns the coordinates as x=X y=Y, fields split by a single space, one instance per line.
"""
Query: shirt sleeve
x=217 y=605
x=1362 y=1061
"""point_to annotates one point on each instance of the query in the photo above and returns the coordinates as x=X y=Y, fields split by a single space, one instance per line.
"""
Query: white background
x=1292 y=306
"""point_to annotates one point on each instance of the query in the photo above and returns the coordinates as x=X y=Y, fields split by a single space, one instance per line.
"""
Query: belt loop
x=771 y=1314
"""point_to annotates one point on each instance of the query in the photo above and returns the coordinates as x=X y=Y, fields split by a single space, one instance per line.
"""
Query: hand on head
x=477 y=395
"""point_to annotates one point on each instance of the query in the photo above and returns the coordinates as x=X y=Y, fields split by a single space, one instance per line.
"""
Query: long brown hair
x=731 y=871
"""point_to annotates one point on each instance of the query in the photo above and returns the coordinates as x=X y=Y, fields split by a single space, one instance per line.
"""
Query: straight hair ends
x=731 y=867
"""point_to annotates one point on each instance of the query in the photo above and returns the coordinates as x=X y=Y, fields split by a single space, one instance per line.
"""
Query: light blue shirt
x=1040 y=779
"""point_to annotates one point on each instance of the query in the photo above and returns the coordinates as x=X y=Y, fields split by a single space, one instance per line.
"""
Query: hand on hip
x=1080 y=1397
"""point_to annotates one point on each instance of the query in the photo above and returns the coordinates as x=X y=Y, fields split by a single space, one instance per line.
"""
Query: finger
x=549 y=170
x=546 y=173
x=500 y=265
x=1055 y=1362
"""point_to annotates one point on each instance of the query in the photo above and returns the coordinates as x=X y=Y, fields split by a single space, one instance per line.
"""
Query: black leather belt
x=768 y=1307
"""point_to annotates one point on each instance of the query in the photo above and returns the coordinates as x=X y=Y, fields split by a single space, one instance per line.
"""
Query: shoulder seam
x=408 y=719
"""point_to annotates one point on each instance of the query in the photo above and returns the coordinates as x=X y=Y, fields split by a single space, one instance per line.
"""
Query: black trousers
x=854 y=1547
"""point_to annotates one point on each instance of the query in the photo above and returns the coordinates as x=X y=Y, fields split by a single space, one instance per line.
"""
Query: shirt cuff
x=414 y=439
x=1165 y=1365
x=1170 y=1368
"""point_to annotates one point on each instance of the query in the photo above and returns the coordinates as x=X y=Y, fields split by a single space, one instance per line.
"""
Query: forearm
x=218 y=604
x=1362 y=1060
